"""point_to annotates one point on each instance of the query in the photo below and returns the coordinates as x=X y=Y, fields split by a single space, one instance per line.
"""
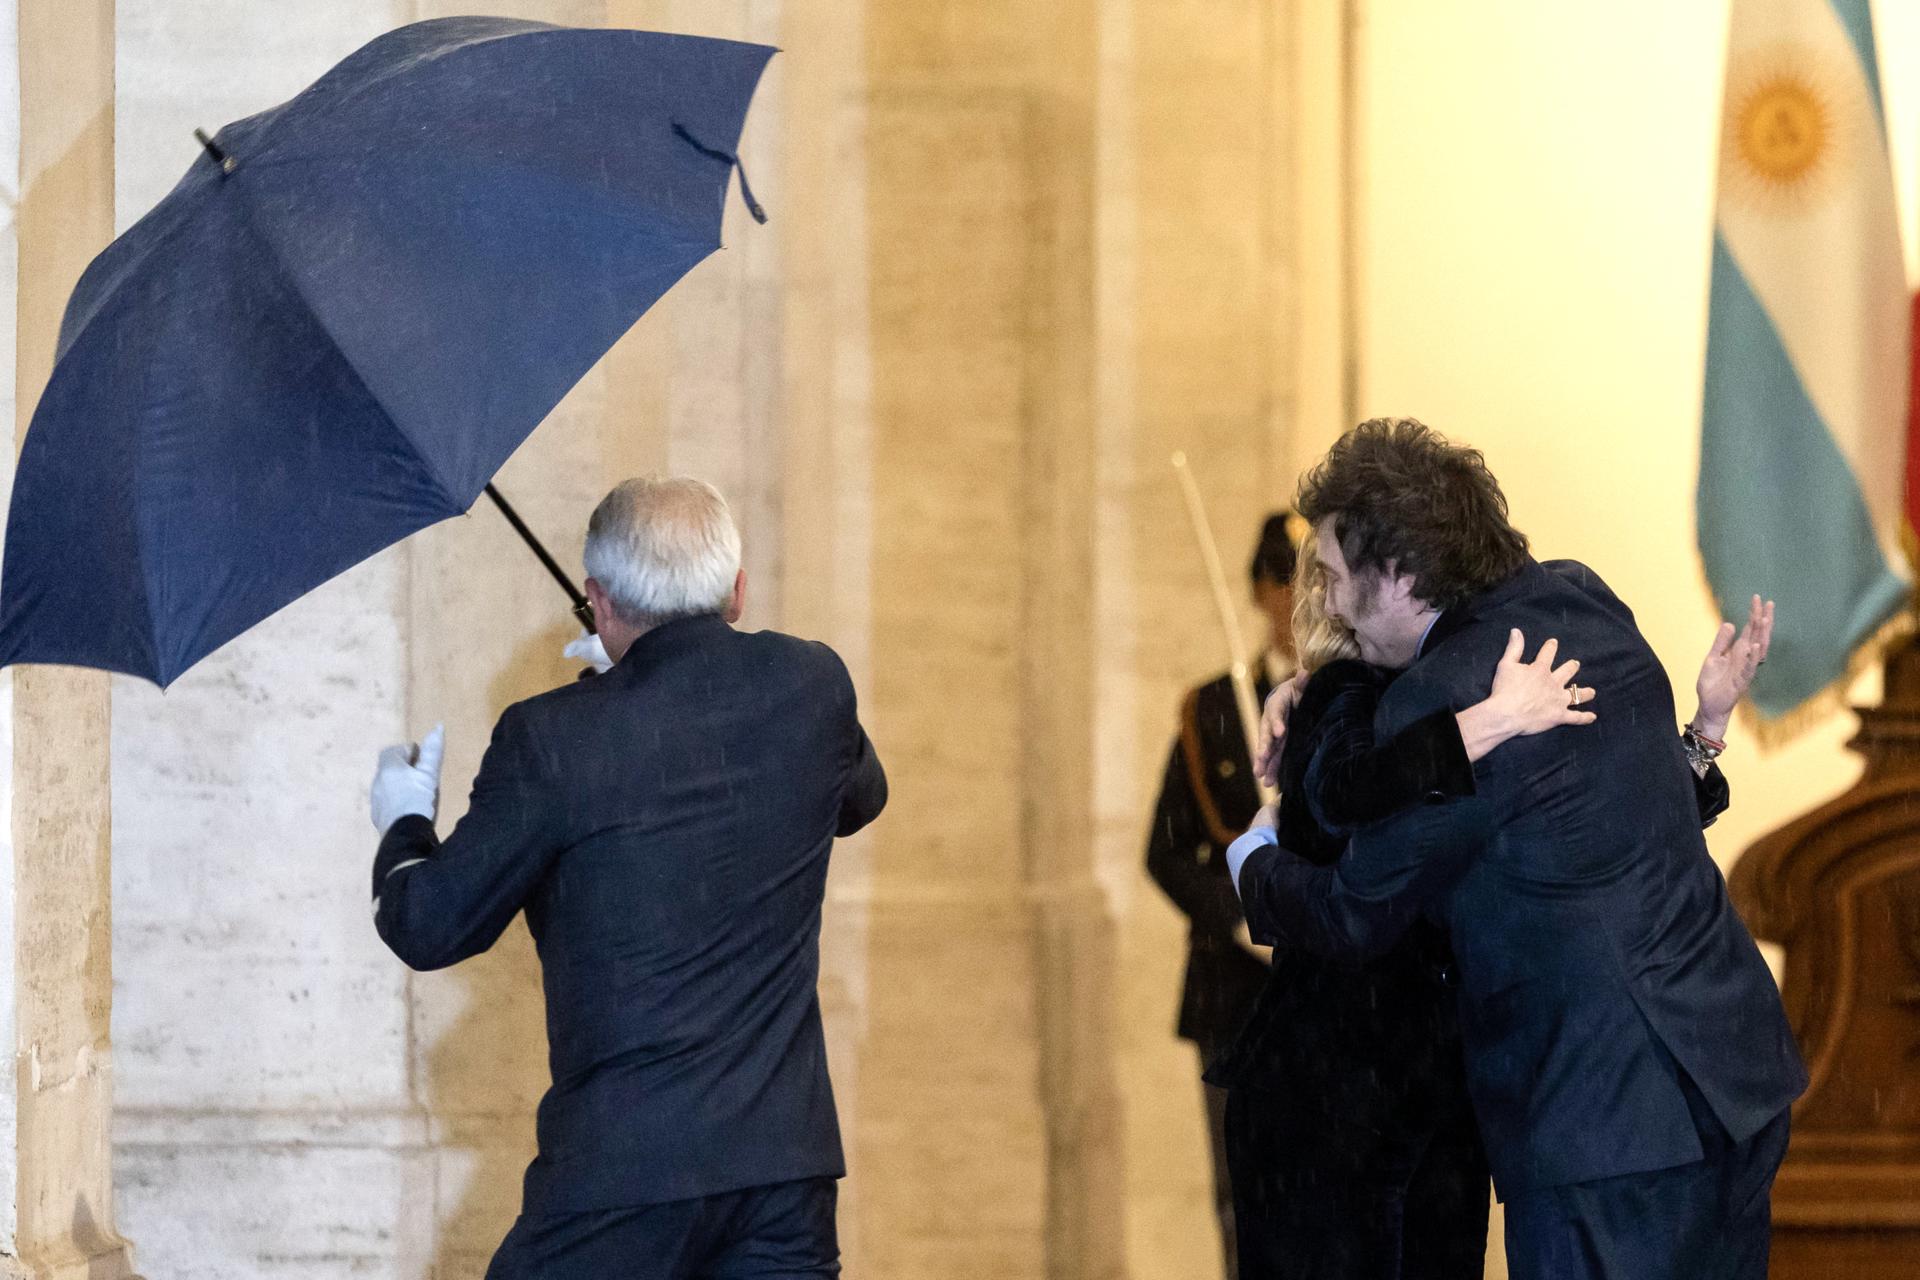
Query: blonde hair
x=1317 y=638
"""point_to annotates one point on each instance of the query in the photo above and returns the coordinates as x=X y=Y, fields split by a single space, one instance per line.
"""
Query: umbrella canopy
x=346 y=317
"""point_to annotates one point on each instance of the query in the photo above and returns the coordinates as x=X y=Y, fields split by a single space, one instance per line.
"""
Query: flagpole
x=1237 y=671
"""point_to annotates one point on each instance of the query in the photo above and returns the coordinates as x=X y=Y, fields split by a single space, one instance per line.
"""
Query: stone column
x=1202 y=333
x=985 y=1140
x=58 y=924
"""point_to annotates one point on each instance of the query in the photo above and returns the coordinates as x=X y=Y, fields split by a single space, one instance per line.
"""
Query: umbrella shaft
x=581 y=609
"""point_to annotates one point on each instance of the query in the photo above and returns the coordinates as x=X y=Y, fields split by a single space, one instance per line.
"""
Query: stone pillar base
x=106 y=1260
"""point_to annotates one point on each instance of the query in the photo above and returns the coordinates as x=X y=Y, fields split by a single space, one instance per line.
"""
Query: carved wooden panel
x=1839 y=889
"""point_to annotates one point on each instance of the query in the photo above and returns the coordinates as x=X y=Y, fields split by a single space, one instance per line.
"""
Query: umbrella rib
x=373 y=397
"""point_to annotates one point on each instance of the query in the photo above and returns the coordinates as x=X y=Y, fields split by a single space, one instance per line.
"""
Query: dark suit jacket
x=666 y=828
x=1208 y=797
x=1599 y=956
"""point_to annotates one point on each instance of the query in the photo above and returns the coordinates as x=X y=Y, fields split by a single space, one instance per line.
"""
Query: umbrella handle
x=225 y=161
x=582 y=608
x=746 y=190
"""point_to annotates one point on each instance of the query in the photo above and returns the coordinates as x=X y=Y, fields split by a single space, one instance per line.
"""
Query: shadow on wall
x=105 y=1252
x=483 y=1027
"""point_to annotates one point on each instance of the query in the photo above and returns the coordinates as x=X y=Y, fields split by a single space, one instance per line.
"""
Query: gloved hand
x=407 y=780
x=589 y=649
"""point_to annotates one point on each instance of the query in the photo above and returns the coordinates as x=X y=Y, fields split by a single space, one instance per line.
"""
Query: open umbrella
x=347 y=315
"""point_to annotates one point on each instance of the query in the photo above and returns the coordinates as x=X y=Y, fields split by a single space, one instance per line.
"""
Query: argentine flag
x=1803 y=426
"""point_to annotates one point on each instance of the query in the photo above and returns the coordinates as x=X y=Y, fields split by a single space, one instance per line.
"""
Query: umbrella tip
x=224 y=160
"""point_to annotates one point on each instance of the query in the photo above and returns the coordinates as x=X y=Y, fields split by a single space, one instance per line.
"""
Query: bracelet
x=1712 y=744
x=1701 y=750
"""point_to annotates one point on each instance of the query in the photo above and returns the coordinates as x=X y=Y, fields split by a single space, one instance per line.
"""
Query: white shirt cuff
x=1241 y=849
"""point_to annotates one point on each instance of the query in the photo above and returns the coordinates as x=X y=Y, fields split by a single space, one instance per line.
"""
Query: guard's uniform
x=1208 y=797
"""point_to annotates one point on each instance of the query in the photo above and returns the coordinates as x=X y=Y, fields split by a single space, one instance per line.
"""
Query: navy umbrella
x=346 y=317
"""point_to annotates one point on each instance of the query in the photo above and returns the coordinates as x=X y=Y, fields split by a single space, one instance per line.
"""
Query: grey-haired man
x=666 y=828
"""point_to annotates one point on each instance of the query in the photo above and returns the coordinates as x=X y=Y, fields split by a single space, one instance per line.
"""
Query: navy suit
x=1616 y=1016
x=666 y=828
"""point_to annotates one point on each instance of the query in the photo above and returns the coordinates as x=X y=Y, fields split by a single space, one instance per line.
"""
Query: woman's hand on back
x=1527 y=697
x=1532 y=697
x=1273 y=726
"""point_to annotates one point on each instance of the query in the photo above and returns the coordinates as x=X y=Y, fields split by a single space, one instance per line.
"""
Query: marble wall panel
x=303 y=1211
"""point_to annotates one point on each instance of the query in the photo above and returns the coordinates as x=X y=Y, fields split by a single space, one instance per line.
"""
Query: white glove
x=407 y=780
x=589 y=649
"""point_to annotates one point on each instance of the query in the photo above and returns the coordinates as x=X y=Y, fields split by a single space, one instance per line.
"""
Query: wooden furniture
x=1839 y=888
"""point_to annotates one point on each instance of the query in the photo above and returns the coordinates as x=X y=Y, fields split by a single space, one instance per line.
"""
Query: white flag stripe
x=1821 y=250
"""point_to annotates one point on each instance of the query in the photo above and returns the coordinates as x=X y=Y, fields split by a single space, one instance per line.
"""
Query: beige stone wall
x=1016 y=258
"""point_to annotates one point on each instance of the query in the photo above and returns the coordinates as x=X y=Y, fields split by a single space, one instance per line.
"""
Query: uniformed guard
x=1208 y=797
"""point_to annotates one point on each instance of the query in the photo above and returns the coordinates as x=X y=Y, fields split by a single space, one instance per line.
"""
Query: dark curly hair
x=1399 y=492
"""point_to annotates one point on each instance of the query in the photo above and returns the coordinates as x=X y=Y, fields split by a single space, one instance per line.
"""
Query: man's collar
x=1452 y=620
x=1421 y=648
x=671 y=637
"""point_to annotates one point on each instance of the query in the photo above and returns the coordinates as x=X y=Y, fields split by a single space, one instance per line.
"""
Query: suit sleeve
x=1359 y=906
x=1351 y=780
x=866 y=792
x=1201 y=890
x=1712 y=794
x=437 y=903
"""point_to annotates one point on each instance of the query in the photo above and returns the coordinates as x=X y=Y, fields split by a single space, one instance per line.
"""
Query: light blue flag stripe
x=1857 y=17
x=1780 y=512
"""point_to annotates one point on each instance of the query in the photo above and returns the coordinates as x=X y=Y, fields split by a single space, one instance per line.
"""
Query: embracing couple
x=1500 y=943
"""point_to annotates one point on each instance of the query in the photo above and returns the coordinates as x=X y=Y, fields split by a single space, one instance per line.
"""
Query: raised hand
x=1731 y=663
x=407 y=780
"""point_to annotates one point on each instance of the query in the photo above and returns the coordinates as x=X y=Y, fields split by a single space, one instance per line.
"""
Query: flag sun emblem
x=1783 y=129
x=1783 y=135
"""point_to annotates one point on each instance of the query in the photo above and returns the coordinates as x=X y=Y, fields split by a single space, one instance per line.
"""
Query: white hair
x=664 y=547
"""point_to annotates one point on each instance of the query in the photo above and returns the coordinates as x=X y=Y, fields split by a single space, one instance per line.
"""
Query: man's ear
x=738 y=604
x=601 y=602
x=1400 y=585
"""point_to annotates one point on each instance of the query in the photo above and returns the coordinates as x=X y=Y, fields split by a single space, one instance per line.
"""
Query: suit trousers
x=1708 y=1220
x=780 y=1232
